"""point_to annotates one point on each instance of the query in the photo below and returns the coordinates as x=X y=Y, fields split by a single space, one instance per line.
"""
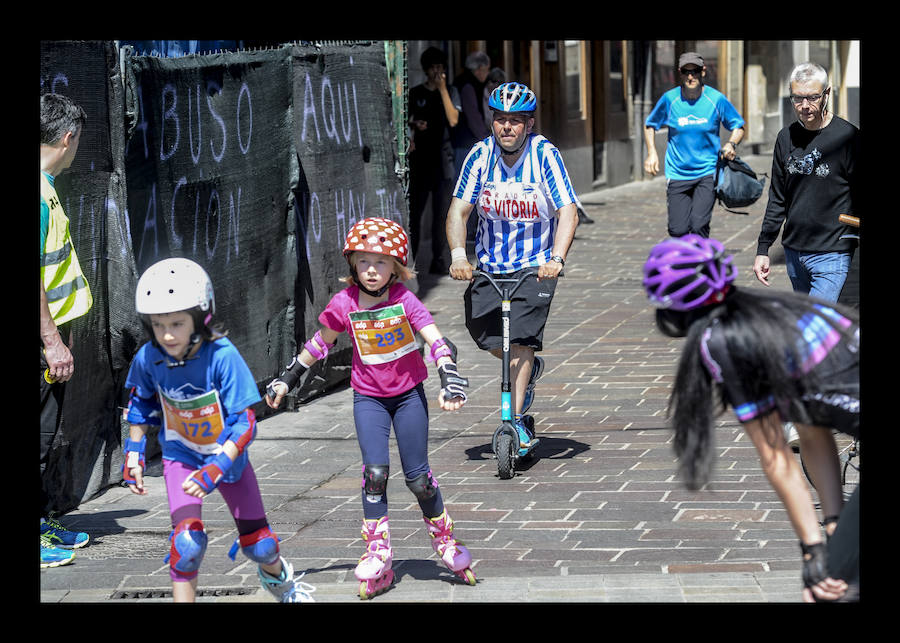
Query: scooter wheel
x=505 y=456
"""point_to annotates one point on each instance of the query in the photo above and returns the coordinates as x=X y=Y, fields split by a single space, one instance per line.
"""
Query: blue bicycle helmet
x=513 y=97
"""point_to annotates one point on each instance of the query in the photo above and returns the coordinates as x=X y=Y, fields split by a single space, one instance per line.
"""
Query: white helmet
x=171 y=285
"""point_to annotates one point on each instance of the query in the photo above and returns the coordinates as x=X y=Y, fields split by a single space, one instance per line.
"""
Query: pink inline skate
x=452 y=552
x=374 y=569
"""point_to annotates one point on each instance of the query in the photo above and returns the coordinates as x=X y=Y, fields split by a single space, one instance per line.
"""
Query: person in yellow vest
x=65 y=295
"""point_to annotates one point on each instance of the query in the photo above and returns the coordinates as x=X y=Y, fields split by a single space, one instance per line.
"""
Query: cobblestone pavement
x=598 y=516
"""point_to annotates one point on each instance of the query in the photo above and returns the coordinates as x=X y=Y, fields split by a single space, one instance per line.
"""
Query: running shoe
x=790 y=434
x=52 y=556
x=59 y=536
x=537 y=369
x=526 y=436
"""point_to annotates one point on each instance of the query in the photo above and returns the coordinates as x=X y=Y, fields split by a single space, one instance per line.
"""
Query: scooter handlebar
x=525 y=273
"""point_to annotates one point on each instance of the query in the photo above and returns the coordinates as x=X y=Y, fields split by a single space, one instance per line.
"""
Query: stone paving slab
x=598 y=516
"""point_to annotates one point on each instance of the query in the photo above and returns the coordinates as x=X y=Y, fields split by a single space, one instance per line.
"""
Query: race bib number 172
x=196 y=422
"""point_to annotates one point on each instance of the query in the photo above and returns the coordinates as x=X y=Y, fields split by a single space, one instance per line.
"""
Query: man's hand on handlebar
x=549 y=270
x=461 y=269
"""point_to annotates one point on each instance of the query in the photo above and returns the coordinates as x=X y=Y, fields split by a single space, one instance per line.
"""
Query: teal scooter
x=505 y=441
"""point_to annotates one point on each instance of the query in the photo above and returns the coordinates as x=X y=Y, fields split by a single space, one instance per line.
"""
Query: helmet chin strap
x=196 y=338
x=380 y=291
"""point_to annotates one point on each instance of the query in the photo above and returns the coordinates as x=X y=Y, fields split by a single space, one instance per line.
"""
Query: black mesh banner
x=209 y=178
x=92 y=192
x=253 y=164
x=347 y=170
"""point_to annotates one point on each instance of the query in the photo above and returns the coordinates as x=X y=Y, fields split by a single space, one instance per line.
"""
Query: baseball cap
x=690 y=58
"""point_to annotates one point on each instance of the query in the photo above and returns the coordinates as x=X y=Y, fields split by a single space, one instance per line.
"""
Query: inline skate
x=452 y=552
x=374 y=569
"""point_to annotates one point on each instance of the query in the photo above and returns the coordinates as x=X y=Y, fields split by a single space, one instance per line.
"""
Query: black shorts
x=529 y=309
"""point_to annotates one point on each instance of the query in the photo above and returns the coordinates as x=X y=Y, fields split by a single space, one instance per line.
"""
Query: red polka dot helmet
x=381 y=236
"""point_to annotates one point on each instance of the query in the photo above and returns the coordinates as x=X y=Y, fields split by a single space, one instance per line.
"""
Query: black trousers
x=690 y=205
x=51 y=416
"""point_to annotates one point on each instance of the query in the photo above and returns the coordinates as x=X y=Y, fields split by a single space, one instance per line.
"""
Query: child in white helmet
x=192 y=382
x=382 y=316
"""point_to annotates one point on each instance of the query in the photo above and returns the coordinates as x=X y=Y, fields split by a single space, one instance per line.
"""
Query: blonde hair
x=403 y=272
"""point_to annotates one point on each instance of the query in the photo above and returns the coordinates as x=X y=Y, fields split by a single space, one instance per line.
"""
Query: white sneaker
x=790 y=434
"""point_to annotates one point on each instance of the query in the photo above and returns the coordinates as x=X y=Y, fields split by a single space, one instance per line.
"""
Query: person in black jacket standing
x=814 y=180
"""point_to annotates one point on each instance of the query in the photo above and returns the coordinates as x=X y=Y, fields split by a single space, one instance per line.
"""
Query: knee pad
x=375 y=479
x=260 y=546
x=423 y=486
x=189 y=542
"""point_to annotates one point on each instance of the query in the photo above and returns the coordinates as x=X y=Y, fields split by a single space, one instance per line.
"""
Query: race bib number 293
x=382 y=335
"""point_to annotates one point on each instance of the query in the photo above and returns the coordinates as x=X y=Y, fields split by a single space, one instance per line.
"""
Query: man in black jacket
x=814 y=180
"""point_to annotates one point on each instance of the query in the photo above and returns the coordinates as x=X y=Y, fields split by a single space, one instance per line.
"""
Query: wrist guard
x=208 y=476
x=290 y=376
x=451 y=382
x=134 y=457
x=815 y=568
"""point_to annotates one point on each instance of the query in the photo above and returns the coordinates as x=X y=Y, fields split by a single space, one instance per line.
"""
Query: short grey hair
x=809 y=71
x=477 y=59
x=59 y=116
x=497 y=75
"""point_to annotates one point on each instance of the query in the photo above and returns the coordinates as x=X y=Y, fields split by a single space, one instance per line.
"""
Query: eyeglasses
x=798 y=100
x=695 y=71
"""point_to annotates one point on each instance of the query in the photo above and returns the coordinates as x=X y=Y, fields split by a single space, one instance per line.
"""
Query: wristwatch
x=559 y=260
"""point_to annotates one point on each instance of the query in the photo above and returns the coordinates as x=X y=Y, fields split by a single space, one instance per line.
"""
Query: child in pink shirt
x=382 y=316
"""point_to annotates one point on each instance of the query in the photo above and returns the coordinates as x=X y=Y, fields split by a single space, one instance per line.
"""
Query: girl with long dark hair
x=773 y=357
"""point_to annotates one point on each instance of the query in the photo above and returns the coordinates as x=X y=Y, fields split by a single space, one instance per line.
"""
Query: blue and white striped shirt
x=516 y=205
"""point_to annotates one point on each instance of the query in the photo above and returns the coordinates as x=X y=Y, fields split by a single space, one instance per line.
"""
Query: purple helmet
x=687 y=272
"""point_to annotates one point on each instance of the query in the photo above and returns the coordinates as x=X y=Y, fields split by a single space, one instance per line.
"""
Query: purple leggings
x=242 y=497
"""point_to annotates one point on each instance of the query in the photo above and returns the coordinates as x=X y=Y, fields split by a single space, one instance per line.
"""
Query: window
x=574 y=78
x=709 y=49
x=618 y=101
x=663 y=68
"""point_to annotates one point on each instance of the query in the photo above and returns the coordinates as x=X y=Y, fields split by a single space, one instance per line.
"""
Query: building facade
x=595 y=94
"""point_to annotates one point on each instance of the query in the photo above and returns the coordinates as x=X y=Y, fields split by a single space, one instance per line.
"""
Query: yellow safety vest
x=68 y=293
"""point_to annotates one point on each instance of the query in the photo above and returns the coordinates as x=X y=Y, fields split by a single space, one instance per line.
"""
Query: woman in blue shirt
x=692 y=112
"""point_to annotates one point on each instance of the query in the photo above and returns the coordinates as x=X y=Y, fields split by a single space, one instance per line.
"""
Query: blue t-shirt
x=693 y=142
x=200 y=405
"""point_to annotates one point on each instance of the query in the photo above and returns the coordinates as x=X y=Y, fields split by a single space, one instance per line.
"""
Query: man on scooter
x=517 y=183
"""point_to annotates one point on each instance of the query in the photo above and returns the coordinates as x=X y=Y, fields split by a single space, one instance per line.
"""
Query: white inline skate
x=374 y=569
x=452 y=552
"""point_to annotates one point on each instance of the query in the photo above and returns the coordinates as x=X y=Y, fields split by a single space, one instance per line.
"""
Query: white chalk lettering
x=309 y=108
x=212 y=213
x=194 y=157
x=347 y=220
x=209 y=102
x=169 y=114
x=244 y=90
x=234 y=226
x=348 y=114
x=176 y=240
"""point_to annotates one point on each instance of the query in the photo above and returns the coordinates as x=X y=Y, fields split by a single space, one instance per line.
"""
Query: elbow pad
x=443 y=347
x=243 y=428
x=313 y=346
x=143 y=411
